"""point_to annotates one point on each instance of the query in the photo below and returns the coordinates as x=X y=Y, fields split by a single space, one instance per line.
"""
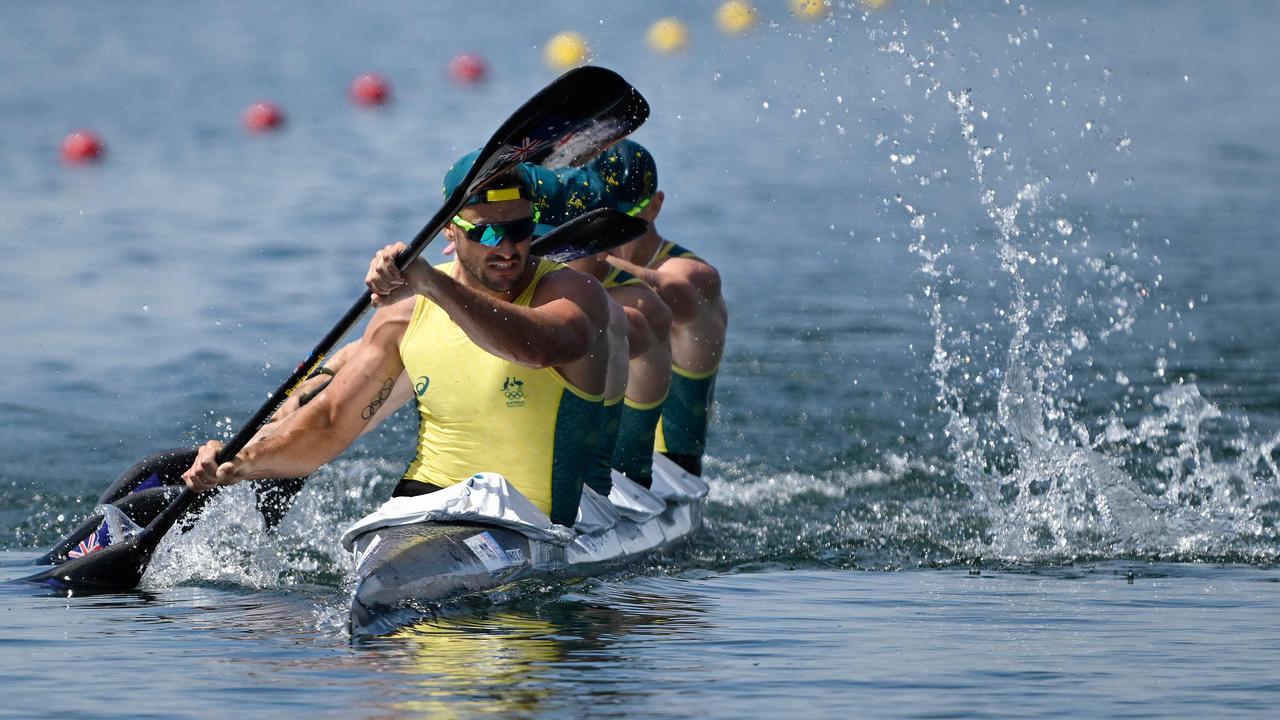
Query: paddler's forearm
x=297 y=447
x=511 y=332
x=309 y=438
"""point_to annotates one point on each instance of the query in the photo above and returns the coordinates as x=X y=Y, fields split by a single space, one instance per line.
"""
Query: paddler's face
x=500 y=268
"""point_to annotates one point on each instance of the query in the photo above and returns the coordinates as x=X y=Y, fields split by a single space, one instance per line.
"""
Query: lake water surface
x=997 y=425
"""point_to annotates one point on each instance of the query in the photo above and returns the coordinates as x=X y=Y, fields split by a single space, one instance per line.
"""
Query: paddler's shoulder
x=560 y=281
x=676 y=261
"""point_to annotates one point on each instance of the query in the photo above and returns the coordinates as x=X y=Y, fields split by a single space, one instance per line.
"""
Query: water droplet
x=1079 y=340
x=1093 y=176
x=1123 y=143
x=1064 y=227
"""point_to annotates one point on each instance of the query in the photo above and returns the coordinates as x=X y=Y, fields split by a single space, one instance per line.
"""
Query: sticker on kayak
x=490 y=553
x=594 y=545
x=364 y=554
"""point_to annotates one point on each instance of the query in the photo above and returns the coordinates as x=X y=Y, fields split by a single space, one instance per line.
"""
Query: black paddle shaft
x=561 y=112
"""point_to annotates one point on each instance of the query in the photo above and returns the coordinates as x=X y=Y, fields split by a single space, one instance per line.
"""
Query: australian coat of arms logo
x=513 y=389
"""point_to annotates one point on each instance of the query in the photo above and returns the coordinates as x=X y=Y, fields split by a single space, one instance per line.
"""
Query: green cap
x=629 y=169
x=510 y=186
x=565 y=193
x=560 y=195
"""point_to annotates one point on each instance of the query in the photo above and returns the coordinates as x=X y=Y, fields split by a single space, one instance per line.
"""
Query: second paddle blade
x=589 y=234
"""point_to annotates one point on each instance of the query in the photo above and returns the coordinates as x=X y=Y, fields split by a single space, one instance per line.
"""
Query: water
x=1002 y=297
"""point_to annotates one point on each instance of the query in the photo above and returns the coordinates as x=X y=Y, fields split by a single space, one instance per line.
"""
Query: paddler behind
x=689 y=286
x=631 y=417
x=507 y=355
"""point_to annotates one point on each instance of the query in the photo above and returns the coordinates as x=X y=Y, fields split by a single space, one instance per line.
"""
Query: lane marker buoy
x=668 y=36
x=263 y=117
x=82 y=146
x=468 y=68
x=567 y=50
x=811 y=10
x=736 y=17
x=370 y=89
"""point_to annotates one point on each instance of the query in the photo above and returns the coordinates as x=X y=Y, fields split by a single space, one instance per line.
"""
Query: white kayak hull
x=405 y=570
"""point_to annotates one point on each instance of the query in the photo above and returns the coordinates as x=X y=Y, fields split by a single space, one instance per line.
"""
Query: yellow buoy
x=567 y=50
x=810 y=9
x=668 y=35
x=736 y=17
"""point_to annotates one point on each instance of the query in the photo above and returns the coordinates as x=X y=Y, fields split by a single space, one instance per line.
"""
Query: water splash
x=1013 y=394
x=231 y=544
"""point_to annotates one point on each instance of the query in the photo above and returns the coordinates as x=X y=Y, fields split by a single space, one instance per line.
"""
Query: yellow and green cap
x=513 y=185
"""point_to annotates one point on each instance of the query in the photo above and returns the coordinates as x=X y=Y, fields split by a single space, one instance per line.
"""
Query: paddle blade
x=115 y=568
x=568 y=106
x=589 y=234
x=614 y=124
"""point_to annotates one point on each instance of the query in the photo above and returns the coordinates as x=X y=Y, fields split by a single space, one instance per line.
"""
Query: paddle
x=614 y=124
x=589 y=234
x=562 y=113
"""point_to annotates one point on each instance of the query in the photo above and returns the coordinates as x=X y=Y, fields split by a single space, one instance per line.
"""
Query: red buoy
x=468 y=68
x=262 y=117
x=82 y=146
x=370 y=89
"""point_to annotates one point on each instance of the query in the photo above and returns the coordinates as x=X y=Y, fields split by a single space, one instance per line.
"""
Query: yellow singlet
x=480 y=413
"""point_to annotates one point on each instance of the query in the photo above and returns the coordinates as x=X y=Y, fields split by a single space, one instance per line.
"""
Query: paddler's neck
x=643 y=249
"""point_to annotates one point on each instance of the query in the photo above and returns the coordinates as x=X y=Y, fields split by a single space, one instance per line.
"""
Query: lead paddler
x=507 y=355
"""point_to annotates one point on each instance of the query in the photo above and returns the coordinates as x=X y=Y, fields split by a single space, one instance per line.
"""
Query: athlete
x=507 y=355
x=689 y=286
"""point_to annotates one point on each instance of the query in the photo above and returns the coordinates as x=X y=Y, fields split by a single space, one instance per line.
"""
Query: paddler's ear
x=650 y=213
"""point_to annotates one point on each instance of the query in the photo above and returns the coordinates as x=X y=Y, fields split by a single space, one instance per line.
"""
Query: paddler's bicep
x=572 y=312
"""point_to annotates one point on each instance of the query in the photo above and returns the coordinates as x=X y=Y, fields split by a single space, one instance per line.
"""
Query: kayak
x=414 y=553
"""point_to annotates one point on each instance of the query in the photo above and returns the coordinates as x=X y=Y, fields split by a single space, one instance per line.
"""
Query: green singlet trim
x=633 y=450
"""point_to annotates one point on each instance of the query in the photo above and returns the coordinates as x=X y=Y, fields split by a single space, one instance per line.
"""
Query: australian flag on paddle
x=101 y=536
x=95 y=541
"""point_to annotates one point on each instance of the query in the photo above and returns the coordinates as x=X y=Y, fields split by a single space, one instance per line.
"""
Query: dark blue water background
x=1002 y=289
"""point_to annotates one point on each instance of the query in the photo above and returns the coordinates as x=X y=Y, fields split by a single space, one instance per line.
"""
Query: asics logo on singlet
x=513 y=388
x=420 y=387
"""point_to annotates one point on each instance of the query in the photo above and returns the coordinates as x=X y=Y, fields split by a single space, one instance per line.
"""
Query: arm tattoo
x=383 y=393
